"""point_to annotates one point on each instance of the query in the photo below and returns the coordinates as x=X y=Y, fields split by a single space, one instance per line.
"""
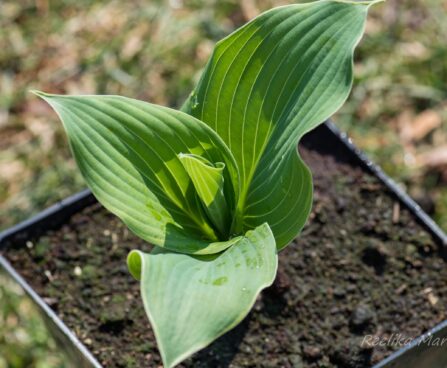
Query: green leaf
x=127 y=151
x=192 y=300
x=265 y=86
x=209 y=181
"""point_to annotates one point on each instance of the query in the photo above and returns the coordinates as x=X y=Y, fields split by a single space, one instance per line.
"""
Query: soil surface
x=362 y=266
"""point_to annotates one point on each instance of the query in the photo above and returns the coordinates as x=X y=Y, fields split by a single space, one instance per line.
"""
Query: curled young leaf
x=208 y=179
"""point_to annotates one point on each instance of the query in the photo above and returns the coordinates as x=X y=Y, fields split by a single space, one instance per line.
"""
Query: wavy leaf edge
x=137 y=266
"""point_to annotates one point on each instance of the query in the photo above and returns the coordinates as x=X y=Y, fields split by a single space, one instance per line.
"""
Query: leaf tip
x=373 y=2
x=170 y=362
x=367 y=3
x=39 y=93
x=134 y=261
x=44 y=95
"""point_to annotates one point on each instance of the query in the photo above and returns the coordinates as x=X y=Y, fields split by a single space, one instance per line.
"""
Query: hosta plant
x=218 y=187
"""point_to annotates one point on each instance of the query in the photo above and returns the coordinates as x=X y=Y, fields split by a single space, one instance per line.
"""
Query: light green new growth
x=218 y=187
x=208 y=181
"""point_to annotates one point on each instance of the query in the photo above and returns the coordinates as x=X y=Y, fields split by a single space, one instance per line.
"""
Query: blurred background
x=154 y=51
x=24 y=340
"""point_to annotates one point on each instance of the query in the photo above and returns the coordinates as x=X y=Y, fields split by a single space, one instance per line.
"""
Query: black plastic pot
x=422 y=352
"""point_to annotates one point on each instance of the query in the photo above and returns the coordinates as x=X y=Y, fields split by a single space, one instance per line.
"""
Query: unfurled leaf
x=192 y=300
x=265 y=86
x=208 y=180
x=127 y=151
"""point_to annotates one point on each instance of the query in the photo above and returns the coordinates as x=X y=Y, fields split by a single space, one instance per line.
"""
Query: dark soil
x=362 y=266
